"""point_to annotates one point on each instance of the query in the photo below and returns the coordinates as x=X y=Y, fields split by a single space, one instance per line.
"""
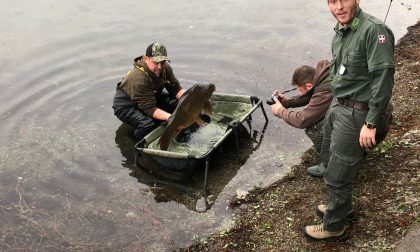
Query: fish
x=191 y=104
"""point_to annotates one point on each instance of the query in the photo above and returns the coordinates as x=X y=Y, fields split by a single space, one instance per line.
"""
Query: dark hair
x=303 y=75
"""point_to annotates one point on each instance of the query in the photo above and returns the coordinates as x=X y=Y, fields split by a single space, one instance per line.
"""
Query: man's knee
x=124 y=114
x=341 y=169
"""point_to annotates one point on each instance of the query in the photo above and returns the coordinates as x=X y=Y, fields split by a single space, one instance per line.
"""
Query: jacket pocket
x=356 y=67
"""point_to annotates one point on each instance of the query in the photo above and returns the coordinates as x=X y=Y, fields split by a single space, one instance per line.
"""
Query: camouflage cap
x=157 y=51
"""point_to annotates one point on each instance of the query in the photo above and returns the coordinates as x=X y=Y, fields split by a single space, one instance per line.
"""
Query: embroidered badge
x=381 y=39
x=356 y=22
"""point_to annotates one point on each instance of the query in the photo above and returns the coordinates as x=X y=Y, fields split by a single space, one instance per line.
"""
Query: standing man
x=313 y=85
x=362 y=70
x=140 y=99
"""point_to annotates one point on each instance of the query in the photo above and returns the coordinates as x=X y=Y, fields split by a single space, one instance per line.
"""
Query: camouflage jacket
x=142 y=85
x=317 y=100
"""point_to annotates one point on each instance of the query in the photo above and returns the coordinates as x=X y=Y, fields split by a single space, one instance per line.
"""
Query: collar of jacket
x=141 y=64
x=354 y=23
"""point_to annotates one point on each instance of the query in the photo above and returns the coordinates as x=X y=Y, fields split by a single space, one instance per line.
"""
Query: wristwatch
x=370 y=125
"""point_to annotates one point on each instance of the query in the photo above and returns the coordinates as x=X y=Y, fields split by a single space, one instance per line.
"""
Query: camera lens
x=270 y=101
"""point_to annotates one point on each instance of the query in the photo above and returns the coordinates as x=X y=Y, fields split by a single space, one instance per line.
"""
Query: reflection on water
x=167 y=186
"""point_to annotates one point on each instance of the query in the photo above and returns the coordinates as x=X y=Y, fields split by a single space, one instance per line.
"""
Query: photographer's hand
x=276 y=106
x=282 y=97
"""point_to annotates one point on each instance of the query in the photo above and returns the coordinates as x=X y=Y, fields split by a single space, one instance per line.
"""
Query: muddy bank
x=385 y=192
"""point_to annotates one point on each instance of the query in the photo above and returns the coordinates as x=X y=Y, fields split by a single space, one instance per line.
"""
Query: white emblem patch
x=381 y=39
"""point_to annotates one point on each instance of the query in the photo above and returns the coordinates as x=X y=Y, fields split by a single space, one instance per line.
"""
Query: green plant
x=385 y=147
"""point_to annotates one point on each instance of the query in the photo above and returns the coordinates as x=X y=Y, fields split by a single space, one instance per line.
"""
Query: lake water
x=67 y=174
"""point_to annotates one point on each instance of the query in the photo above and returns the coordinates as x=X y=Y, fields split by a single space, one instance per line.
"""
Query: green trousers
x=343 y=154
x=316 y=134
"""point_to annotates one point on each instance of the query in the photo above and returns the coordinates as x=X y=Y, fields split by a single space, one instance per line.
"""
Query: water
x=68 y=180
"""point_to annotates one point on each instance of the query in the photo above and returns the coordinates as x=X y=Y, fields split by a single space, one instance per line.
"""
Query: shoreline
x=385 y=192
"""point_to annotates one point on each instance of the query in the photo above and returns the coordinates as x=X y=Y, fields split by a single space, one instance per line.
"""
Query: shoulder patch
x=381 y=39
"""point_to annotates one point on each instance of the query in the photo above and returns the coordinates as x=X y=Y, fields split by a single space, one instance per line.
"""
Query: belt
x=352 y=104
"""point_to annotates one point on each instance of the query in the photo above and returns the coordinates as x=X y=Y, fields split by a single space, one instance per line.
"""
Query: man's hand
x=367 y=137
x=280 y=95
x=276 y=106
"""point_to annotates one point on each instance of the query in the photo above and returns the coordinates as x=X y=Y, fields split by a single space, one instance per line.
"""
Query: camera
x=271 y=101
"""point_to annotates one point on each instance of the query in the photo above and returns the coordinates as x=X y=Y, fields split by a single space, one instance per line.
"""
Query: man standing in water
x=139 y=99
x=362 y=70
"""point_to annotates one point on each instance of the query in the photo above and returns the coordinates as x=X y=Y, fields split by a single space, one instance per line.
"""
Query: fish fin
x=199 y=121
x=207 y=108
x=179 y=129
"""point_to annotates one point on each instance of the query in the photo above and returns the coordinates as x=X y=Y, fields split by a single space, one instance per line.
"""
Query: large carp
x=194 y=101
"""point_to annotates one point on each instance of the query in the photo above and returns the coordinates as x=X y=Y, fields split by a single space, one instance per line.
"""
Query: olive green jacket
x=362 y=68
x=142 y=85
